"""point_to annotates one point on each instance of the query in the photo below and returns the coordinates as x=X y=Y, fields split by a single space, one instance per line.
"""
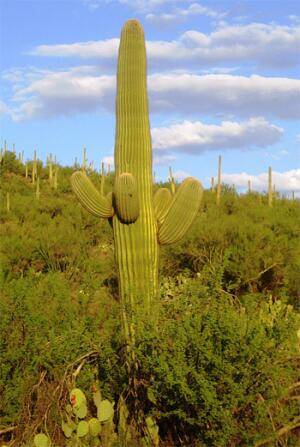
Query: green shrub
x=216 y=370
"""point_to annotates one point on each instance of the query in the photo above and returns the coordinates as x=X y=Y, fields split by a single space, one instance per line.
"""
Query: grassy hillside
x=223 y=367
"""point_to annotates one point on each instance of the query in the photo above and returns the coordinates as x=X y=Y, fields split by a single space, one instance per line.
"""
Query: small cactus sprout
x=140 y=222
x=41 y=440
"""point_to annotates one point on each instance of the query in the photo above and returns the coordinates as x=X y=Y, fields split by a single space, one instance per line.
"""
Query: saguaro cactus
x=270 y=192
x=219 y=186
x=140 y=221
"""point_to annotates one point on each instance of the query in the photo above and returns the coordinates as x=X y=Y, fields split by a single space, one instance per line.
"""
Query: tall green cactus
x=141 y=222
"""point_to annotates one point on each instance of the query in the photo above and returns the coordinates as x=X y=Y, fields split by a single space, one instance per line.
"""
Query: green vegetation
x=222 y=369
x=220 y=366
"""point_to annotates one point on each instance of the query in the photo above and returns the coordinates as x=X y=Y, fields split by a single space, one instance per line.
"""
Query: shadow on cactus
x=141 y=223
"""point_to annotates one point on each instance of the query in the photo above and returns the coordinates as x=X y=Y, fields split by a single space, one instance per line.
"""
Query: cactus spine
x=138 y=222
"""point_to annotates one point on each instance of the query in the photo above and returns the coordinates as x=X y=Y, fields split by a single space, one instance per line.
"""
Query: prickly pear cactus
x=141 y=222
x=80 y=429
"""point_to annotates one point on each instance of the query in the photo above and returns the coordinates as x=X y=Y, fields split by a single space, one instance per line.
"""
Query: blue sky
x=223 y=78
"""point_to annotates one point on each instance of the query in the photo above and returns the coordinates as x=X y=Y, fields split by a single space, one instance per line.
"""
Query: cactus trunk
x=136 y=247
x=140 y=222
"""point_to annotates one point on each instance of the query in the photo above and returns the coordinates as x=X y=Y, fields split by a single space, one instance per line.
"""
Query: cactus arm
x=89 y=197
x=182 y=212
x=126 y=198
x=161 y=201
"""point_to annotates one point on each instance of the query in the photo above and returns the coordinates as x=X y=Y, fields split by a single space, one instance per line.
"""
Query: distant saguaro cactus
x=219 y=186
x=140 y=221
x=270 y=192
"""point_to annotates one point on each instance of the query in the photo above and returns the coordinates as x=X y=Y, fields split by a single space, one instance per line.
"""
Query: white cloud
x=181 y=175
x=264 y=44
x=160 y=160
x=106 y=49
x=196 y=137
x=139 y=6
x=44 y=94
x=4 y=109
x=63 y=93
x=108 y=160
x=226 y=94
x=283 y=181
x=179 y=14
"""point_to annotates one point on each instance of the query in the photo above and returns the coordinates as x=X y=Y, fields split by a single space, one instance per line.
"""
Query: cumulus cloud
x=63 y=93
x=226 y=94
x=268 y=45
x=196 y=137
x=283 y=181
x=79 y=90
